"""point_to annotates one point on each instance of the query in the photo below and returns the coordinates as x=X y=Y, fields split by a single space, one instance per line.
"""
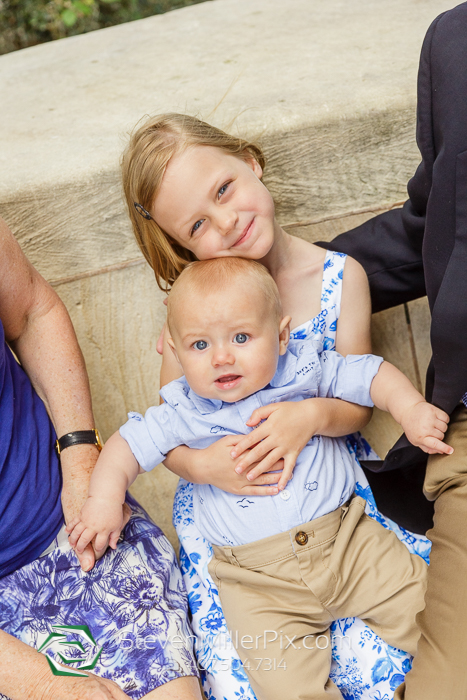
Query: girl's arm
x=353 y=338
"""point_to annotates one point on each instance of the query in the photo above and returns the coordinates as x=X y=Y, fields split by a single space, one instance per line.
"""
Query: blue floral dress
x=125 y=620
x=364 y=667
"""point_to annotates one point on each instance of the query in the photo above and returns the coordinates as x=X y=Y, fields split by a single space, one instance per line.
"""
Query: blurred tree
x=28 y=22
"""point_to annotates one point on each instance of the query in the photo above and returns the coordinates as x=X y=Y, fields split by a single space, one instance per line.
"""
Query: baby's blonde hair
x=210 y=276
x=144 y=162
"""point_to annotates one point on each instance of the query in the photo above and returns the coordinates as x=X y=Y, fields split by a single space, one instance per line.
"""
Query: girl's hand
x=425 y=426
x=100 y=520
x=214 y=465
x=225 y=476
x=286 y=429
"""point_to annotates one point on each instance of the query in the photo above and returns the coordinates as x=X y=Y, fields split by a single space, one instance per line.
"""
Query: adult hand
x=101 y=521
x=77 y=464
x=26 y=675
x=81 y=688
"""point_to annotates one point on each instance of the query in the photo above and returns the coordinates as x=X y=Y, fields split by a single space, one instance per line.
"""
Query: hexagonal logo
x=81 y=651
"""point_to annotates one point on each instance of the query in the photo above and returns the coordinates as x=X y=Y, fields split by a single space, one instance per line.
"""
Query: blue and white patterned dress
x=364 y=667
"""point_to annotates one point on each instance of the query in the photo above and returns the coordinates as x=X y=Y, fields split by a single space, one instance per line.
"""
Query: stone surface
x=327 y=86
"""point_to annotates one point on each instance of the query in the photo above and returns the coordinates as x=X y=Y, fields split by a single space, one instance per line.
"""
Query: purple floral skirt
x=125 y=620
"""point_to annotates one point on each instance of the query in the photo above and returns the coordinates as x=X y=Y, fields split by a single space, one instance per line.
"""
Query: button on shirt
x=323 y=477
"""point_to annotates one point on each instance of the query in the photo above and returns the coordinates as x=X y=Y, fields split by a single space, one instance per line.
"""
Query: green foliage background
x=28 y=22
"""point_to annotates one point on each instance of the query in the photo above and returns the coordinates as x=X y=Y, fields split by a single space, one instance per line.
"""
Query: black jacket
x=422 y=248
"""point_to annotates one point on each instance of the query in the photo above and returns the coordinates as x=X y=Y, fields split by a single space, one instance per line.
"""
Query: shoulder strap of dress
x=333 y=272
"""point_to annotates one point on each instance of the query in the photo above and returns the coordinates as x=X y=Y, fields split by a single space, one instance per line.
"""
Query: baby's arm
x=423 y=423
x=102 y=514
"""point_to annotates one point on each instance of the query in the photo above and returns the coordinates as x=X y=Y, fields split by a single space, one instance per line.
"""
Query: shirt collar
x=171 y=395
x=286 y=367
x=204 y=406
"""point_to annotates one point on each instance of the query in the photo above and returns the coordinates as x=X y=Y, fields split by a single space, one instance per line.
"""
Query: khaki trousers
x=280 y=595
x=440 y=666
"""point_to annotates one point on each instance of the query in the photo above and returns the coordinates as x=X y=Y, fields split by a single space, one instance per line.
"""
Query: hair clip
x=142 y=211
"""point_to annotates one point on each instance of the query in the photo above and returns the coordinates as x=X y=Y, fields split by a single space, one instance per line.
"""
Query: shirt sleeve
x=151 y=436
x=348 y=378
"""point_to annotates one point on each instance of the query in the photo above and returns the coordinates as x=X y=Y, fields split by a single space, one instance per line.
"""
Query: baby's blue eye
x=241 y=338
x=196 y=226
x=200 y=345
x=223 y=189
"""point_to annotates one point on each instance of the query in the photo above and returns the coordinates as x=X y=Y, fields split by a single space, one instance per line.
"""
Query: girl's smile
x=214 y=204
x=245 y=235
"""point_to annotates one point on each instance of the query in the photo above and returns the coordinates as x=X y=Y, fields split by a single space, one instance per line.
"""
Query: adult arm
x=26 y=675
x=39 y=331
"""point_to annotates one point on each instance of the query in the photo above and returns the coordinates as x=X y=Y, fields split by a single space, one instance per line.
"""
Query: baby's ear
x=171 y=344
x=284 y=334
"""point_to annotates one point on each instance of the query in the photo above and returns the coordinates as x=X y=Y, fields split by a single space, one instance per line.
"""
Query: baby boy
x=285 y=565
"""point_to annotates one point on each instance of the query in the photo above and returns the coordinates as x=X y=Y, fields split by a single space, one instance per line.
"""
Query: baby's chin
x=240 y=391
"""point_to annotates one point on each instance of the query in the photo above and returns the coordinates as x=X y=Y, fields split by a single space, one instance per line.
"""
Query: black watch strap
x=78 y=437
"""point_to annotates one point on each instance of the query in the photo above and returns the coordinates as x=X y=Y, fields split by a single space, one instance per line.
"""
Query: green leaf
x=82 y=8
x=68 y=18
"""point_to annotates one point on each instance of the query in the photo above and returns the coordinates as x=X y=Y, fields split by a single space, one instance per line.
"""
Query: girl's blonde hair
x=144 y=162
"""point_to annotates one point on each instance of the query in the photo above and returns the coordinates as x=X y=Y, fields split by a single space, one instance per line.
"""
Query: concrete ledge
x=329 y=88
x=328 y=85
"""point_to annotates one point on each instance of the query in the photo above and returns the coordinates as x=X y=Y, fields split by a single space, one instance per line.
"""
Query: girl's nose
x=227 y=220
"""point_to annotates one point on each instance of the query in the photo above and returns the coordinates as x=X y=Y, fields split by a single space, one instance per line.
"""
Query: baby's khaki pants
x=280 y=595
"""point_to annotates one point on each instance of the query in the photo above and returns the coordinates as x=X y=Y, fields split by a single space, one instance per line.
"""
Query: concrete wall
x=329 y=88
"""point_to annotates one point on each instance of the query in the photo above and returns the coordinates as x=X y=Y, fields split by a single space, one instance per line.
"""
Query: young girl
x=194 y=192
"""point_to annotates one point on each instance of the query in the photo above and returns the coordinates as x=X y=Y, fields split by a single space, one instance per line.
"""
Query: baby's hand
x=100 y=519
x=425 y=426
x=288 y=428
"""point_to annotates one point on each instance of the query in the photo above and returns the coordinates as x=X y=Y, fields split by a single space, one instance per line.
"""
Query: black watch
x=78 y=437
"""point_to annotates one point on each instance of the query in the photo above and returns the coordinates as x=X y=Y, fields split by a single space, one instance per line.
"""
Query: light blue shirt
x=323 y=478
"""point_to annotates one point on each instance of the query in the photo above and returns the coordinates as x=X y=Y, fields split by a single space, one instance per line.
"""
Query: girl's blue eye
x=196 y=226
x=200 y=345
x=241 y=338
x=223 y=189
